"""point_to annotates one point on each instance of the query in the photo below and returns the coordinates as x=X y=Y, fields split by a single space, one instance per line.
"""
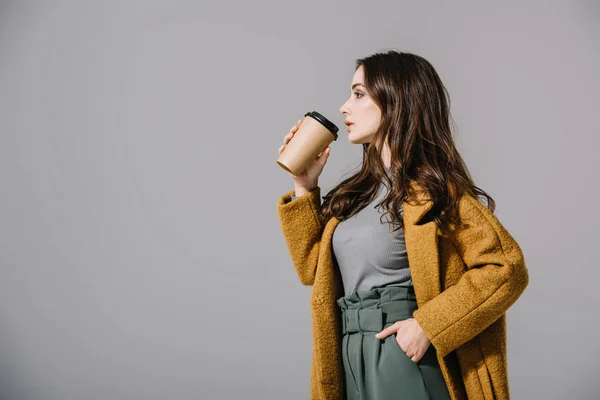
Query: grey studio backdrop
x=140 y=252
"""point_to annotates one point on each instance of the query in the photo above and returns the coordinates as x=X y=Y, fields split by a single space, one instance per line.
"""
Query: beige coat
x=464 y=283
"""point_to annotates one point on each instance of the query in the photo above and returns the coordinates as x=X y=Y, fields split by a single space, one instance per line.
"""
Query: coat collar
x=413 y=212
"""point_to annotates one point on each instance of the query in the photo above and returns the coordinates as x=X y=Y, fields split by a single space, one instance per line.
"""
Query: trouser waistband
x=370 y=311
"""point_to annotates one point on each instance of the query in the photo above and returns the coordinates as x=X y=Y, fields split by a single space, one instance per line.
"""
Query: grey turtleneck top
x=368 y=254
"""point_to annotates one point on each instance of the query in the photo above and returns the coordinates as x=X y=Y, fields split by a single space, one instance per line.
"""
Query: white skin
x=365 y=115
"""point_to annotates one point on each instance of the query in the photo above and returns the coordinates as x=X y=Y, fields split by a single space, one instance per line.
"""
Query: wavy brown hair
x=415 y=124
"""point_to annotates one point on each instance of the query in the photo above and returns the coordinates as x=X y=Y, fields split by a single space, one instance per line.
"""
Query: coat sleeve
x=302 y=228
x=495 y=277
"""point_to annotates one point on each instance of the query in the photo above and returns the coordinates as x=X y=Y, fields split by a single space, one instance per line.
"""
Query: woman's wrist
x=301 y=190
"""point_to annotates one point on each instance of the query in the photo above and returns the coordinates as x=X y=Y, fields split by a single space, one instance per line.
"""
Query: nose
x=344 y=109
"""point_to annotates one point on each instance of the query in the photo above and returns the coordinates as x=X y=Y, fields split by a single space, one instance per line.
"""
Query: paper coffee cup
x=312 y=137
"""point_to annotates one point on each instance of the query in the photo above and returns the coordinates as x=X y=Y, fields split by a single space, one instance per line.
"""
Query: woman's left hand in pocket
x=410 y=337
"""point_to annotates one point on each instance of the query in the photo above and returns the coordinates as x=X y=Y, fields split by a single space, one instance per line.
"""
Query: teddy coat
x=464 y=283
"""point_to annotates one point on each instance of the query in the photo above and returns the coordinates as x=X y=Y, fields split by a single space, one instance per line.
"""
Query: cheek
x=374 y=122
x=374 y=115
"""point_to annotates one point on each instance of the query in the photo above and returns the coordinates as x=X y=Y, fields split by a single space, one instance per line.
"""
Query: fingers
x=390 y=329
x=414 y=357
x=400 y=344
x=293 y=130
x=386 y=332
x=415 y=354
x=324 y=155
x=290 y=135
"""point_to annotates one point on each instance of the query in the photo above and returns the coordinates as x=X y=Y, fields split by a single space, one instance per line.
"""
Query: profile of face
x=363 y=115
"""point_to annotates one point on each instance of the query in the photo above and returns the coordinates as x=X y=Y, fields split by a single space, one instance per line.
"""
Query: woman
x=414 y=307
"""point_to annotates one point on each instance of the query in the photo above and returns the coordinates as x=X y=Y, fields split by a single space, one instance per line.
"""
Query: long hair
x=415 y=125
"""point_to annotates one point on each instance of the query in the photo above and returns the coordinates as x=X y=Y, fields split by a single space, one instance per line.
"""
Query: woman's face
x=361 y=111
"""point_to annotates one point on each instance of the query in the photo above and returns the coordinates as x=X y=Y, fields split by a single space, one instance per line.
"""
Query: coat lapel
x=422 y=250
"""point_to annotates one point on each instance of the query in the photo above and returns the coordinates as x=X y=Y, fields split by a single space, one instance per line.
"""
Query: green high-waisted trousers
x=378 y=369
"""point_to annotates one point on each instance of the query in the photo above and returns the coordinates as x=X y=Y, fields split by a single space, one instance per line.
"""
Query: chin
x=359 y=139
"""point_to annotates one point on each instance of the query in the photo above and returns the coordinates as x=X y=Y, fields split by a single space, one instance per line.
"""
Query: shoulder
x=479 y=228
x=470 y=208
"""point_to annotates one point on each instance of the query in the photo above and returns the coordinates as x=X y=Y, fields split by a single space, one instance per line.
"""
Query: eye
x=357 y=94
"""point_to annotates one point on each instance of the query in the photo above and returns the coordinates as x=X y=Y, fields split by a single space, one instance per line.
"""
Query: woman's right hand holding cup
x=308 y=179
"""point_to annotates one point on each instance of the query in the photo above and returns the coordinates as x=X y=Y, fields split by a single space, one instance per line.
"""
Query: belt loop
x=358 y=314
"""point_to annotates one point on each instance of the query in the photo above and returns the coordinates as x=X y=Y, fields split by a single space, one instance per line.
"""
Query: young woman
x=412 y=307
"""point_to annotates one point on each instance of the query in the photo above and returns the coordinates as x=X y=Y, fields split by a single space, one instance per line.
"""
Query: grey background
x=141 y=254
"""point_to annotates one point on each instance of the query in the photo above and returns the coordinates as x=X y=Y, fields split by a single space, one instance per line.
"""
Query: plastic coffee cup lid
x=325 y=122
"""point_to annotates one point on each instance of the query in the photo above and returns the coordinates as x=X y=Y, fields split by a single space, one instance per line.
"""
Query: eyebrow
x=357 y=84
